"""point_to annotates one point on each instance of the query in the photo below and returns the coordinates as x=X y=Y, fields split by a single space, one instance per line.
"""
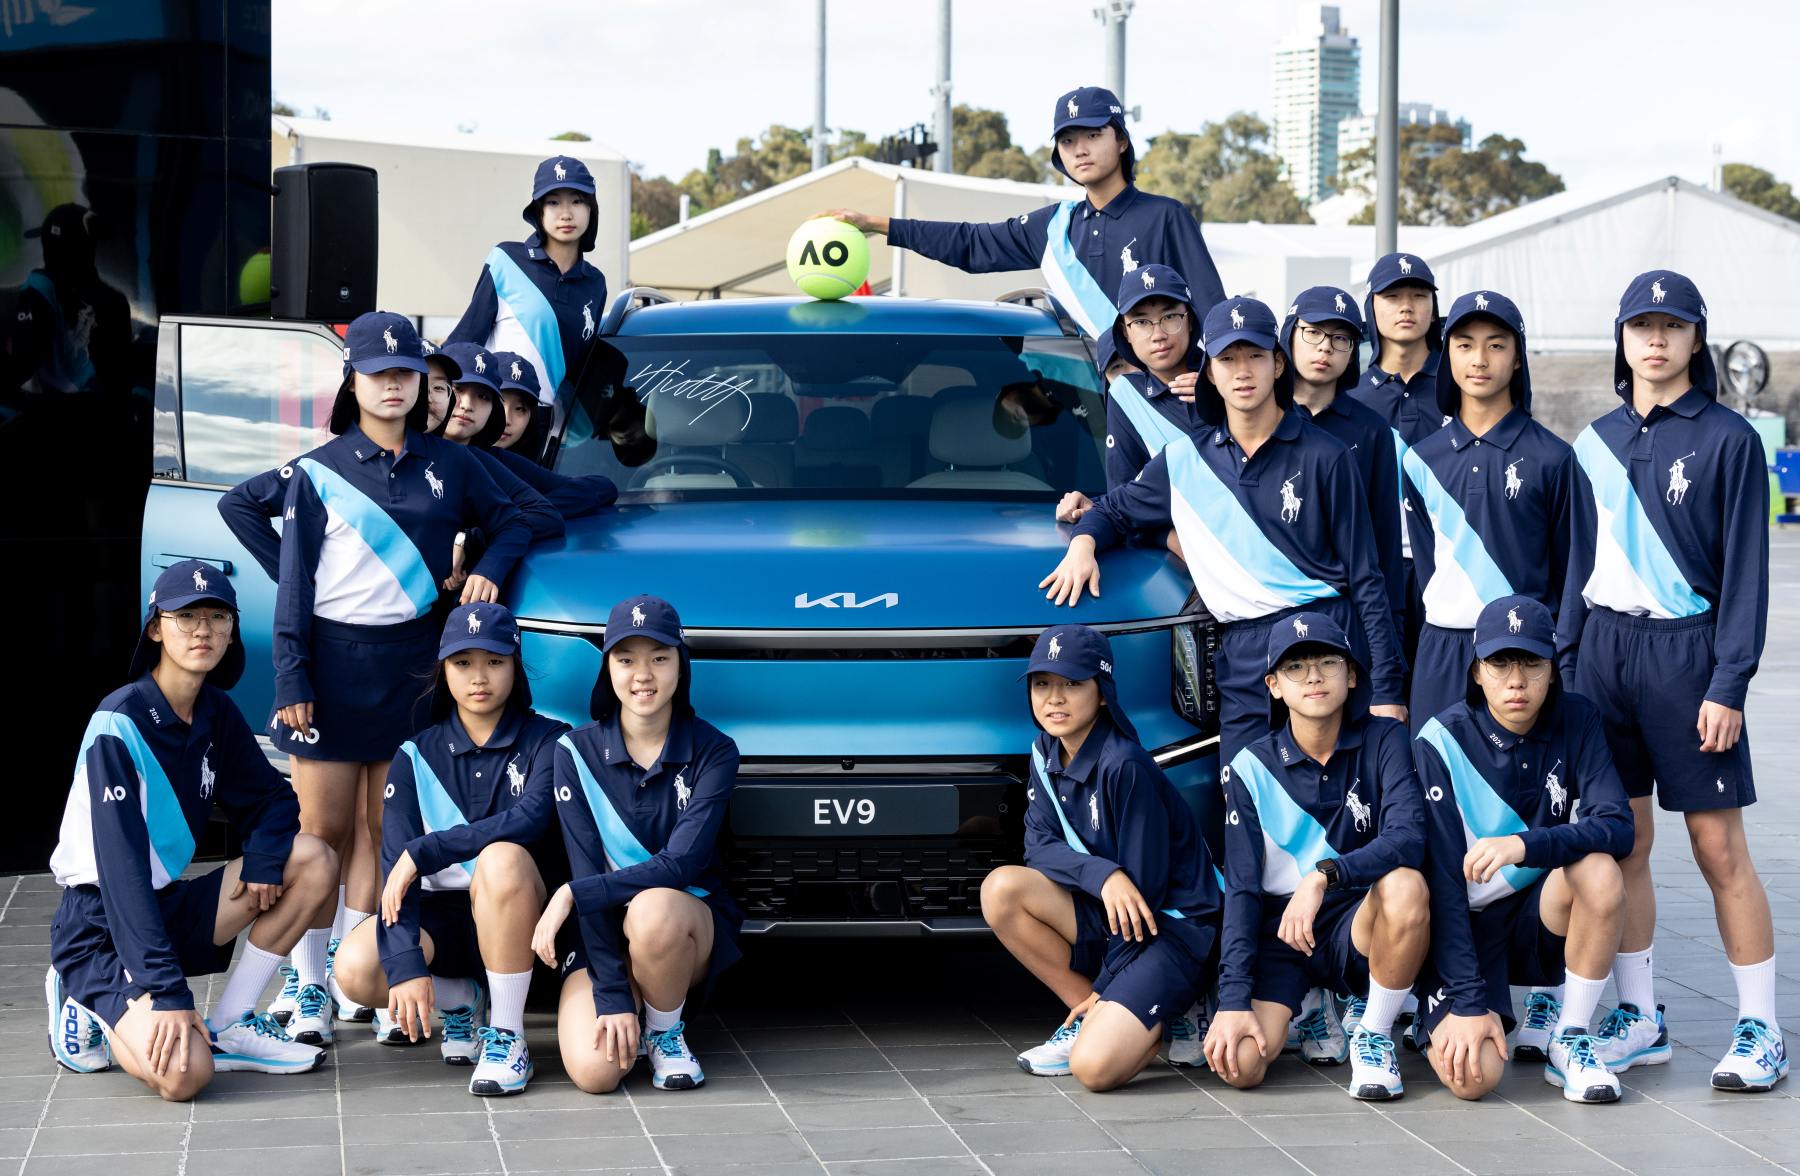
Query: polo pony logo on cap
x=480 y=364
x=1337 y=301
x=200 y=584
x=517 y=372
x=427 y=346
x=1149 y=278
x=1237 y=319
x=1657 y=293
x=1405 y=266
x=560 y=173
x=1481 y=302
x=1513 y=622
x=1299 y=627
x=474 y=623
x=637 y=616
x=387 y=336
x=1073 y=109
x=1055 y=648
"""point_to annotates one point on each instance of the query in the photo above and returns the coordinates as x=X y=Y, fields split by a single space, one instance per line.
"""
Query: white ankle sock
x=1756 y=991
x=1384 y=1006
x=1636 y=980
x=247 y=979
x=506 y=999
x=655 y=1020
x=1581 y=997
x=337 y=920
x=352 y=918
x=453 y=992
x=309 y=956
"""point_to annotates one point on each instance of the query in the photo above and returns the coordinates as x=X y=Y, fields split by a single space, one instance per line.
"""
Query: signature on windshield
x=672 y=382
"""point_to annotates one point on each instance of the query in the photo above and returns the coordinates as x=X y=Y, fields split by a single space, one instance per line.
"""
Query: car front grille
x=919 y=878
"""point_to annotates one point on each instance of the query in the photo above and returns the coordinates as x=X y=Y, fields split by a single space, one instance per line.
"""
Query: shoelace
x=1617 y=1024
x=669 y=1041
x=1066 y=1033
x=1374 y=1049
x=264 y=1026
x=1752 y=1037
x=1354 y=1008
x=96 y=1036
x=459 y=1024
x=290 y=982
x=1581 y=1050
x=310 y=1001
x=1541 y=1010
x=1182 y=1030
x=1313 y=1026
x=496 y=1044
x=331 y=956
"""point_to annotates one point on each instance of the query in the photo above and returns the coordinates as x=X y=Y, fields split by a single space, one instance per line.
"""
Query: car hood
x=844 y=564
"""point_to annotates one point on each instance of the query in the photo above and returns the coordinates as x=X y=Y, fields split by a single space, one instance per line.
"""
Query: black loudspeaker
x=324 y=243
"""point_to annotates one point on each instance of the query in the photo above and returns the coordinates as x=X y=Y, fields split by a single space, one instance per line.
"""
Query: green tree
x=976 y=133
x=1755 y=186
x=1442 y=184
x=1011 y=163
x=655 y=203
x=572 y=137
x=1224 y=172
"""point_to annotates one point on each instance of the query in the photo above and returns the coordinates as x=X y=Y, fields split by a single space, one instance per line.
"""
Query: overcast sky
x=1605 y=93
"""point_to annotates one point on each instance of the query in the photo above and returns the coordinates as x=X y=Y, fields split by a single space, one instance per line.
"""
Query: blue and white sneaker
x=281 y=1009
x=76 y=1040
x=460 y=1042
x=505 y=1066
x=255 y=1043
x=311 y=1022
x=1374 y=1067
x=1757 y=1059
x=1187 y=1036
x=387 y=1030
x=1354 y=1007
x=1532 y=1041
x=672 y=1065
x=1051 y=1059
x=1628 y=1038
x=1323 y=1041
x=347 y=1009
x=1574 y=1066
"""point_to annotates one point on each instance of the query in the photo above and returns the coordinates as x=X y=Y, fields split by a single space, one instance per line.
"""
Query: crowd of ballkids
x=1457 y=658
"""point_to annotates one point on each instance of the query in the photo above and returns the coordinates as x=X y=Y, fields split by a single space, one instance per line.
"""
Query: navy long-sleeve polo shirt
x=524 y=303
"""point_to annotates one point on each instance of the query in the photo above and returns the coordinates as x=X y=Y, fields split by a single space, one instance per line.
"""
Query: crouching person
x=466 y=801
x=157 y=756
x=642 y=792
x=1525 y=820
x=1324 y=842
x=1116 y=908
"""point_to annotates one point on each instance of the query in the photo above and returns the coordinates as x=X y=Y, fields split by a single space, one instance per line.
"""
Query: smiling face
x=470 y=412
x=213 y=626
x=1659 y=347
x=1244 y=374
x=565 y=215
x=1403 y=312
x=1161 y=343
x=1090 y=154
x=1067 y=710
x=1313 y=681
x=387 y=395
x=1483 y=356
x=518 y=418
x=644 y=675
x=480 y=681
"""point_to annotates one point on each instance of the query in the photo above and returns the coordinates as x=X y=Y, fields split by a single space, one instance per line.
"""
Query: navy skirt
x=373 y=690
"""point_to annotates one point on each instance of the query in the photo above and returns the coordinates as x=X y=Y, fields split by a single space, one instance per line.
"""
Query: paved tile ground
x=897 y=1058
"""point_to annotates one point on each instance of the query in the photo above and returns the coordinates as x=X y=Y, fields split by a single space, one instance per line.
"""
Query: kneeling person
x=1522 y=892
x=1116 y=908
x=1324 y=840
x=158 y=755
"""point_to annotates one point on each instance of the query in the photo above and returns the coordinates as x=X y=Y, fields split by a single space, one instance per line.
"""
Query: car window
x=253 y=397
x=840 y=415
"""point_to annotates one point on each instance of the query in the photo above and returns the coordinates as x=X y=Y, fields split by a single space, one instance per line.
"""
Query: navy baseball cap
x=558 y=172
x=1515 y=623
x=483 y=626
x=1670 y=293
x=1151 y=281
x=1391 y=269
x=1091 y=106
x=516 y=373
x=1500 y=308
x=643 y=616
x=1079 y=653
x=380 y=340
x=1321 y=632
x=433 y=351
x=476 y=364
x=182 y=585
x=1240 y=319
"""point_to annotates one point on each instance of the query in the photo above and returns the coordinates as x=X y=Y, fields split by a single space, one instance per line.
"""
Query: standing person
x=1525 y=818
x=1672 y=572
x=1270 y=513
x=540 y=297
x=370 y=522
x=1116 y=909
x=1323 y=850
x=1401 y=381
x=158 y=756
x=642 y=792
x=1085 y=247
x=468 y=801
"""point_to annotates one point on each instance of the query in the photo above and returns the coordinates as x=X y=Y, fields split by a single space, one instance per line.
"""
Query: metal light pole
x=818 y=143
x=943 y=131
x=1387 y=134
x=1113 y=14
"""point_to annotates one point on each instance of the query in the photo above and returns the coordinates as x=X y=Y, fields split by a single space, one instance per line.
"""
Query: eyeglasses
x=1499 y=669
x=189 y=620
x=1339 y=342
x=1301 y=669
x=1170 y=323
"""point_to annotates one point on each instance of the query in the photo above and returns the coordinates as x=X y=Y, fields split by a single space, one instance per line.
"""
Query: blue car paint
x=853 y=316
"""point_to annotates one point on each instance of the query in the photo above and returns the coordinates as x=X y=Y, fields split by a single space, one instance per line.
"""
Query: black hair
x=531 y=442
x=346 y=412
x=603 y=703
x=588 y=238
x=443 y=703
x=489 y=433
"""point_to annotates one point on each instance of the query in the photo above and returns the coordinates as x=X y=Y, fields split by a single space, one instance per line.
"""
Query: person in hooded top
x=1668 y=599
x=1085 y=248
x=159 y=755
x=1116 y=909
x=1400 y=382
x=528 y=422
x=468 y=801
x=642 y=793
x=1324 y=844
x=541 y=297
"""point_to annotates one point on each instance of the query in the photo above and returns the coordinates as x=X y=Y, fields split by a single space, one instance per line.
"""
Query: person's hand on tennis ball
x=861 y=220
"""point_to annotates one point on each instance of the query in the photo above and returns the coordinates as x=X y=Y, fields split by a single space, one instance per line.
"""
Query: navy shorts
x=447 y=917
x=727 y=925
x=1512 y=946
x=1158 y=979
x=1648 y=677
x=1285 y=976
x=371 y=687
x=1440 y=672
x=1242 y=662
x=82 y=951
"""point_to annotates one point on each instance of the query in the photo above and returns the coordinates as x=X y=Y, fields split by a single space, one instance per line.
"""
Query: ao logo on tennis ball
x=827 y=258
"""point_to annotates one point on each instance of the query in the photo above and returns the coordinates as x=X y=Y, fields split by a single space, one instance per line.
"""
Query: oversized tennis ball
x=827 y=258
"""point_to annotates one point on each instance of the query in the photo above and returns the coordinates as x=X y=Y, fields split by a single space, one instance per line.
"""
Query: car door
x=234 y=398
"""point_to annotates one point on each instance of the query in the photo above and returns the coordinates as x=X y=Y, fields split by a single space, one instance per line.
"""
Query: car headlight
x=1192 y=646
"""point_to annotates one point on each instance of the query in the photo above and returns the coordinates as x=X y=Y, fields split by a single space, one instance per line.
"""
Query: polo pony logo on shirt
x=1514 y=483
x=1290 y=501
x=1559 y=796
x=587 y=319
x=1337 y=301
x=1678 y=481
x=206 y=775
x=1481 y=302
x=387 y=336
x=480 y=364
x=200 y=584
x=1657 y=293
x=1127 y=263
x=514 y=776
x=1073 y=109
x=474 y=623
x=1299 y=627
x=436 y=483
x=637 y=616
x=1719 y=784
x=1094 y=811
x=683 y=793
x=516 y=372
x=557 y=167
x=1513 y=621
x=1055 y=648
x=1360 y=812
x=1237 y=319
x=1405 y=266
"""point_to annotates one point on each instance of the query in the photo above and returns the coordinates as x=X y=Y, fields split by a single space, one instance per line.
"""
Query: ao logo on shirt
x=112 y=793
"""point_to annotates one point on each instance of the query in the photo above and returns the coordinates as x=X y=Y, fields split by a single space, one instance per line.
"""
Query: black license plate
x=808 y=809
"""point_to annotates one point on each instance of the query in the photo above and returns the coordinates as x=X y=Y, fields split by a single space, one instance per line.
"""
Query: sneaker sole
x=312 y=1037
x=238 y=1064
x=678 y=1081
x=392 y=1037
x=458 y=1060
x=1326 y=1059
x=1197 y=1064
x=1655 y=1055
x=1593 y=1094
x=1373 y=1092
x=1042 y=1072
x=489 y=1088
x=357 y=1016
x=282 y=1018
x=1736 y=1083
x=1530 y=1053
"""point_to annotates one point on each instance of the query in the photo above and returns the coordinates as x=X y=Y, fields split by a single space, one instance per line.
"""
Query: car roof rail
x=1037 y=296
x=630 y=299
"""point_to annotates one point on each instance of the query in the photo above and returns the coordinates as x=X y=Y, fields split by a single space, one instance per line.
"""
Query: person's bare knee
x=1110 y=1049
x=357 y=967
x=591 y=1076
x=1404 y=900
x=312 y=868
x=505 y=874
x=1643 y=834
x=655 y=925
x=1003 y=893
x=1598 y=884
x=1719 y=850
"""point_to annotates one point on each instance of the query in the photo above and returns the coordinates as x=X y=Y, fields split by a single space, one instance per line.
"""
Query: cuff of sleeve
x=1469 y=1006
x=172 y=1002
x=608 y=1001
x=1538 y=846
x=899 y=227
x=1093 y=524
x=1234 y=997
x=408 y=965
x=591 y=894
x=1727 y=688
x=263 y=868
x=424 y=858
x=1094 y=873
x=292 y=686
x=496 y=569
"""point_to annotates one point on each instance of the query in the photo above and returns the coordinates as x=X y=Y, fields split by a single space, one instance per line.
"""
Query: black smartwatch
x=1329 y=868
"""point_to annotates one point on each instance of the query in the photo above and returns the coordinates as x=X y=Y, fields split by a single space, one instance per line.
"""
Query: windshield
x=839 y=415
